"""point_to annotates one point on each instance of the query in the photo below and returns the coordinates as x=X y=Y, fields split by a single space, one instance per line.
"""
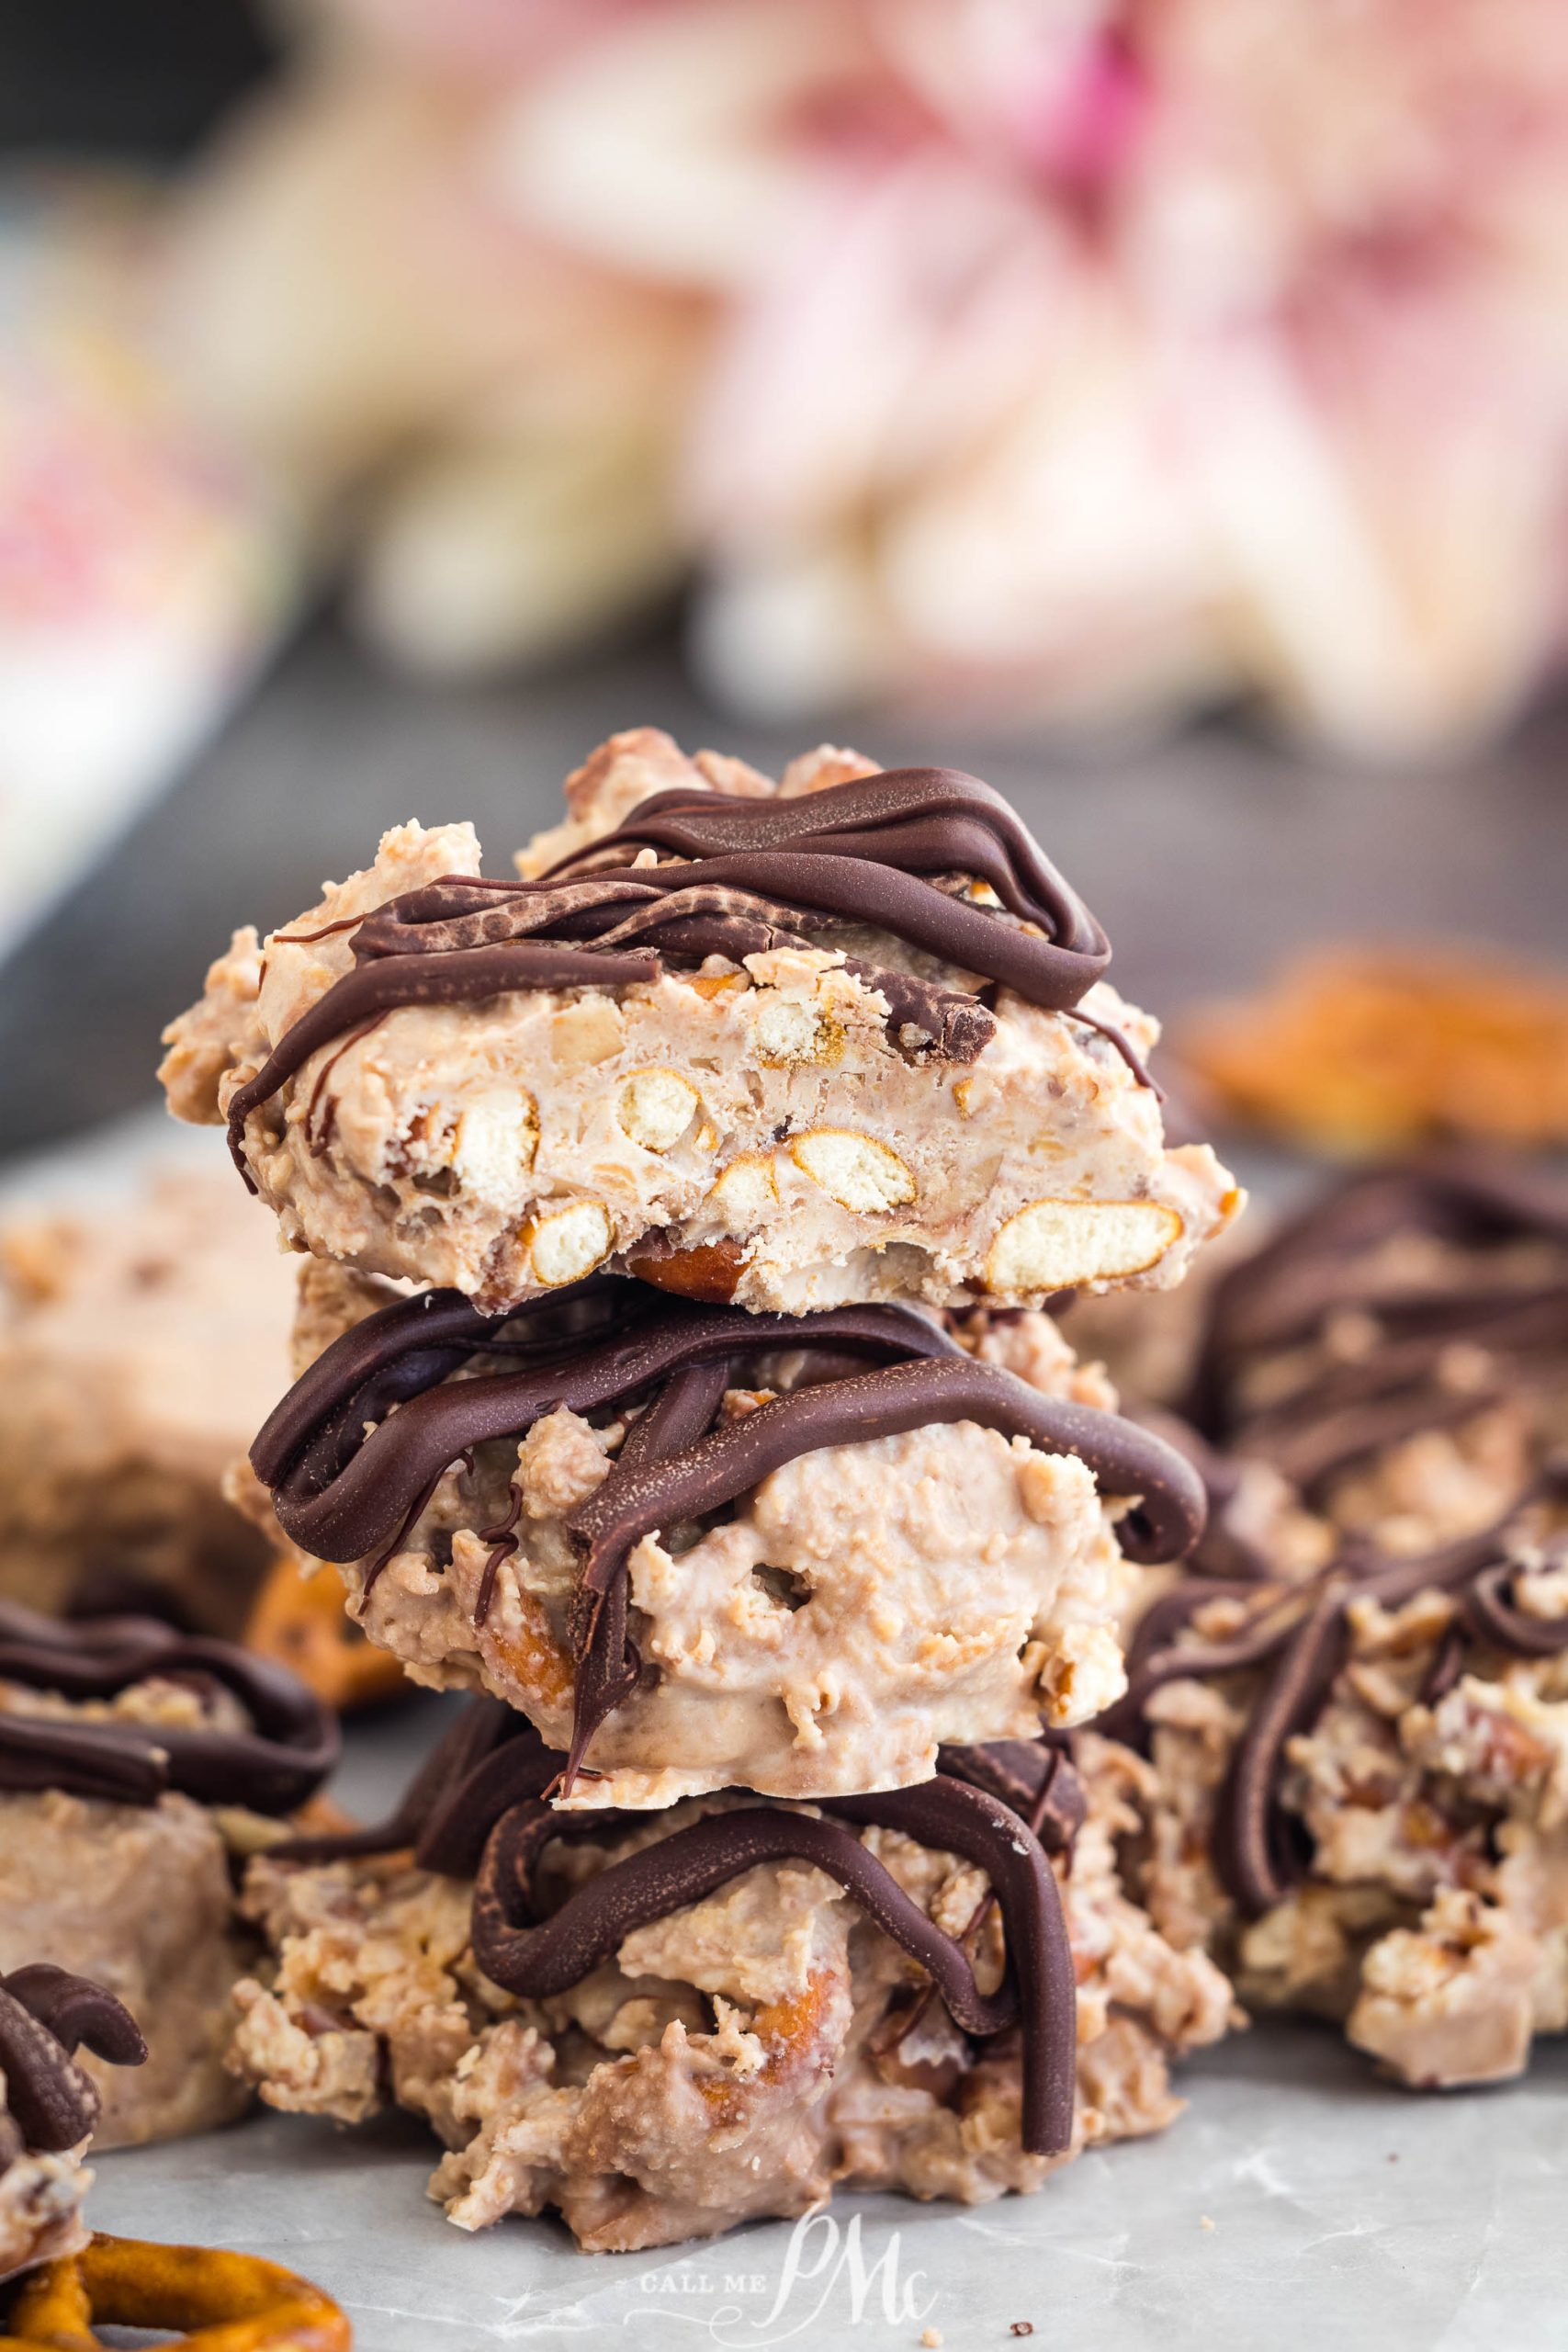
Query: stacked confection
x=1355 y=1702
x=723 y=1450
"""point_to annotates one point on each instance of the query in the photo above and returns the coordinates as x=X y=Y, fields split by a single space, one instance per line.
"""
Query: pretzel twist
x=217 y=2302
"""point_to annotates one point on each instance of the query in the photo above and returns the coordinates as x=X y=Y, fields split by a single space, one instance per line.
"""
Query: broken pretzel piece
x=1363 y=1052
x=298 y=1619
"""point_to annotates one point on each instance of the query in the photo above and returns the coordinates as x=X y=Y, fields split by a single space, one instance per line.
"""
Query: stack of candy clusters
x=673 y=1378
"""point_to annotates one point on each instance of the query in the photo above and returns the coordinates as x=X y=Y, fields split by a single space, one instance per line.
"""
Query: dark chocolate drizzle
x=1491 y=1613
x=479 y=1806
x=348 y=1474
x=46 y=2015
x=489 y=1759
x=1298 y=1635
x=737 y=876
x=279 y=1762
x=1224 y=1548
x=1320 y=1263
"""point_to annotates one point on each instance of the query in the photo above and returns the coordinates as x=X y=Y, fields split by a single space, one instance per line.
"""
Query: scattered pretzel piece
x=299 y=1620
x=218 y=2302
x=1359 y=1051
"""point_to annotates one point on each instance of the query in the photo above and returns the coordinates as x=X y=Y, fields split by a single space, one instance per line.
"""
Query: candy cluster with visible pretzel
x=663 y=2024
x=1359 y=1746
x=685 y=1136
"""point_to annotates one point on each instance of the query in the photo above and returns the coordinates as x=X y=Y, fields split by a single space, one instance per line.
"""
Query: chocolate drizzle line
x=271 y=1768
x=736 y=877
x=46 y=2016
x=478 y=1806
x=1223 y=1548
x=344 y=1481
x=1299 y=1635
x=1320 y=1263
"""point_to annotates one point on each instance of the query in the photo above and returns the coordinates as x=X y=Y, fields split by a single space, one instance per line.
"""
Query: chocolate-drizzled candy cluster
x=1372 y=1745
x=898 y=852
x=46 y=2016
x=355 y=1453
x=1406 y=1301
x=1415 y=1298
x=740 y=1044
x=127 y=1750
x=262 y=1740
x=480 y=1808
x=1295 y=1639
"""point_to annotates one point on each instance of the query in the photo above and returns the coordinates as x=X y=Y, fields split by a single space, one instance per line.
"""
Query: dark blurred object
x=127 y=77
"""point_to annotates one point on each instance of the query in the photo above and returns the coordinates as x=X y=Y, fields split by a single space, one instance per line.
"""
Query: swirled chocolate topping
x=1224 y=1547
x=1295 y=1636
x=291 y=1744
x=898 y=854
x=46 y=2016
x=344 y=1481
x=481 y=1804
x=1329 y=1264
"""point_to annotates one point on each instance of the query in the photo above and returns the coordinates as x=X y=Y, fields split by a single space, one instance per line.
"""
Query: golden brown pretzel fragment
x=299 y=1620
x=218 y=2302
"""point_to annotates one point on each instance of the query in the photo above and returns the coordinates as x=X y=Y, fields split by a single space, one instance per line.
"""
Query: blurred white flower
x=1071 y=360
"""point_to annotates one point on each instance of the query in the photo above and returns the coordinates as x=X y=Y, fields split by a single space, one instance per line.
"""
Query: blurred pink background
x=1075 y=364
